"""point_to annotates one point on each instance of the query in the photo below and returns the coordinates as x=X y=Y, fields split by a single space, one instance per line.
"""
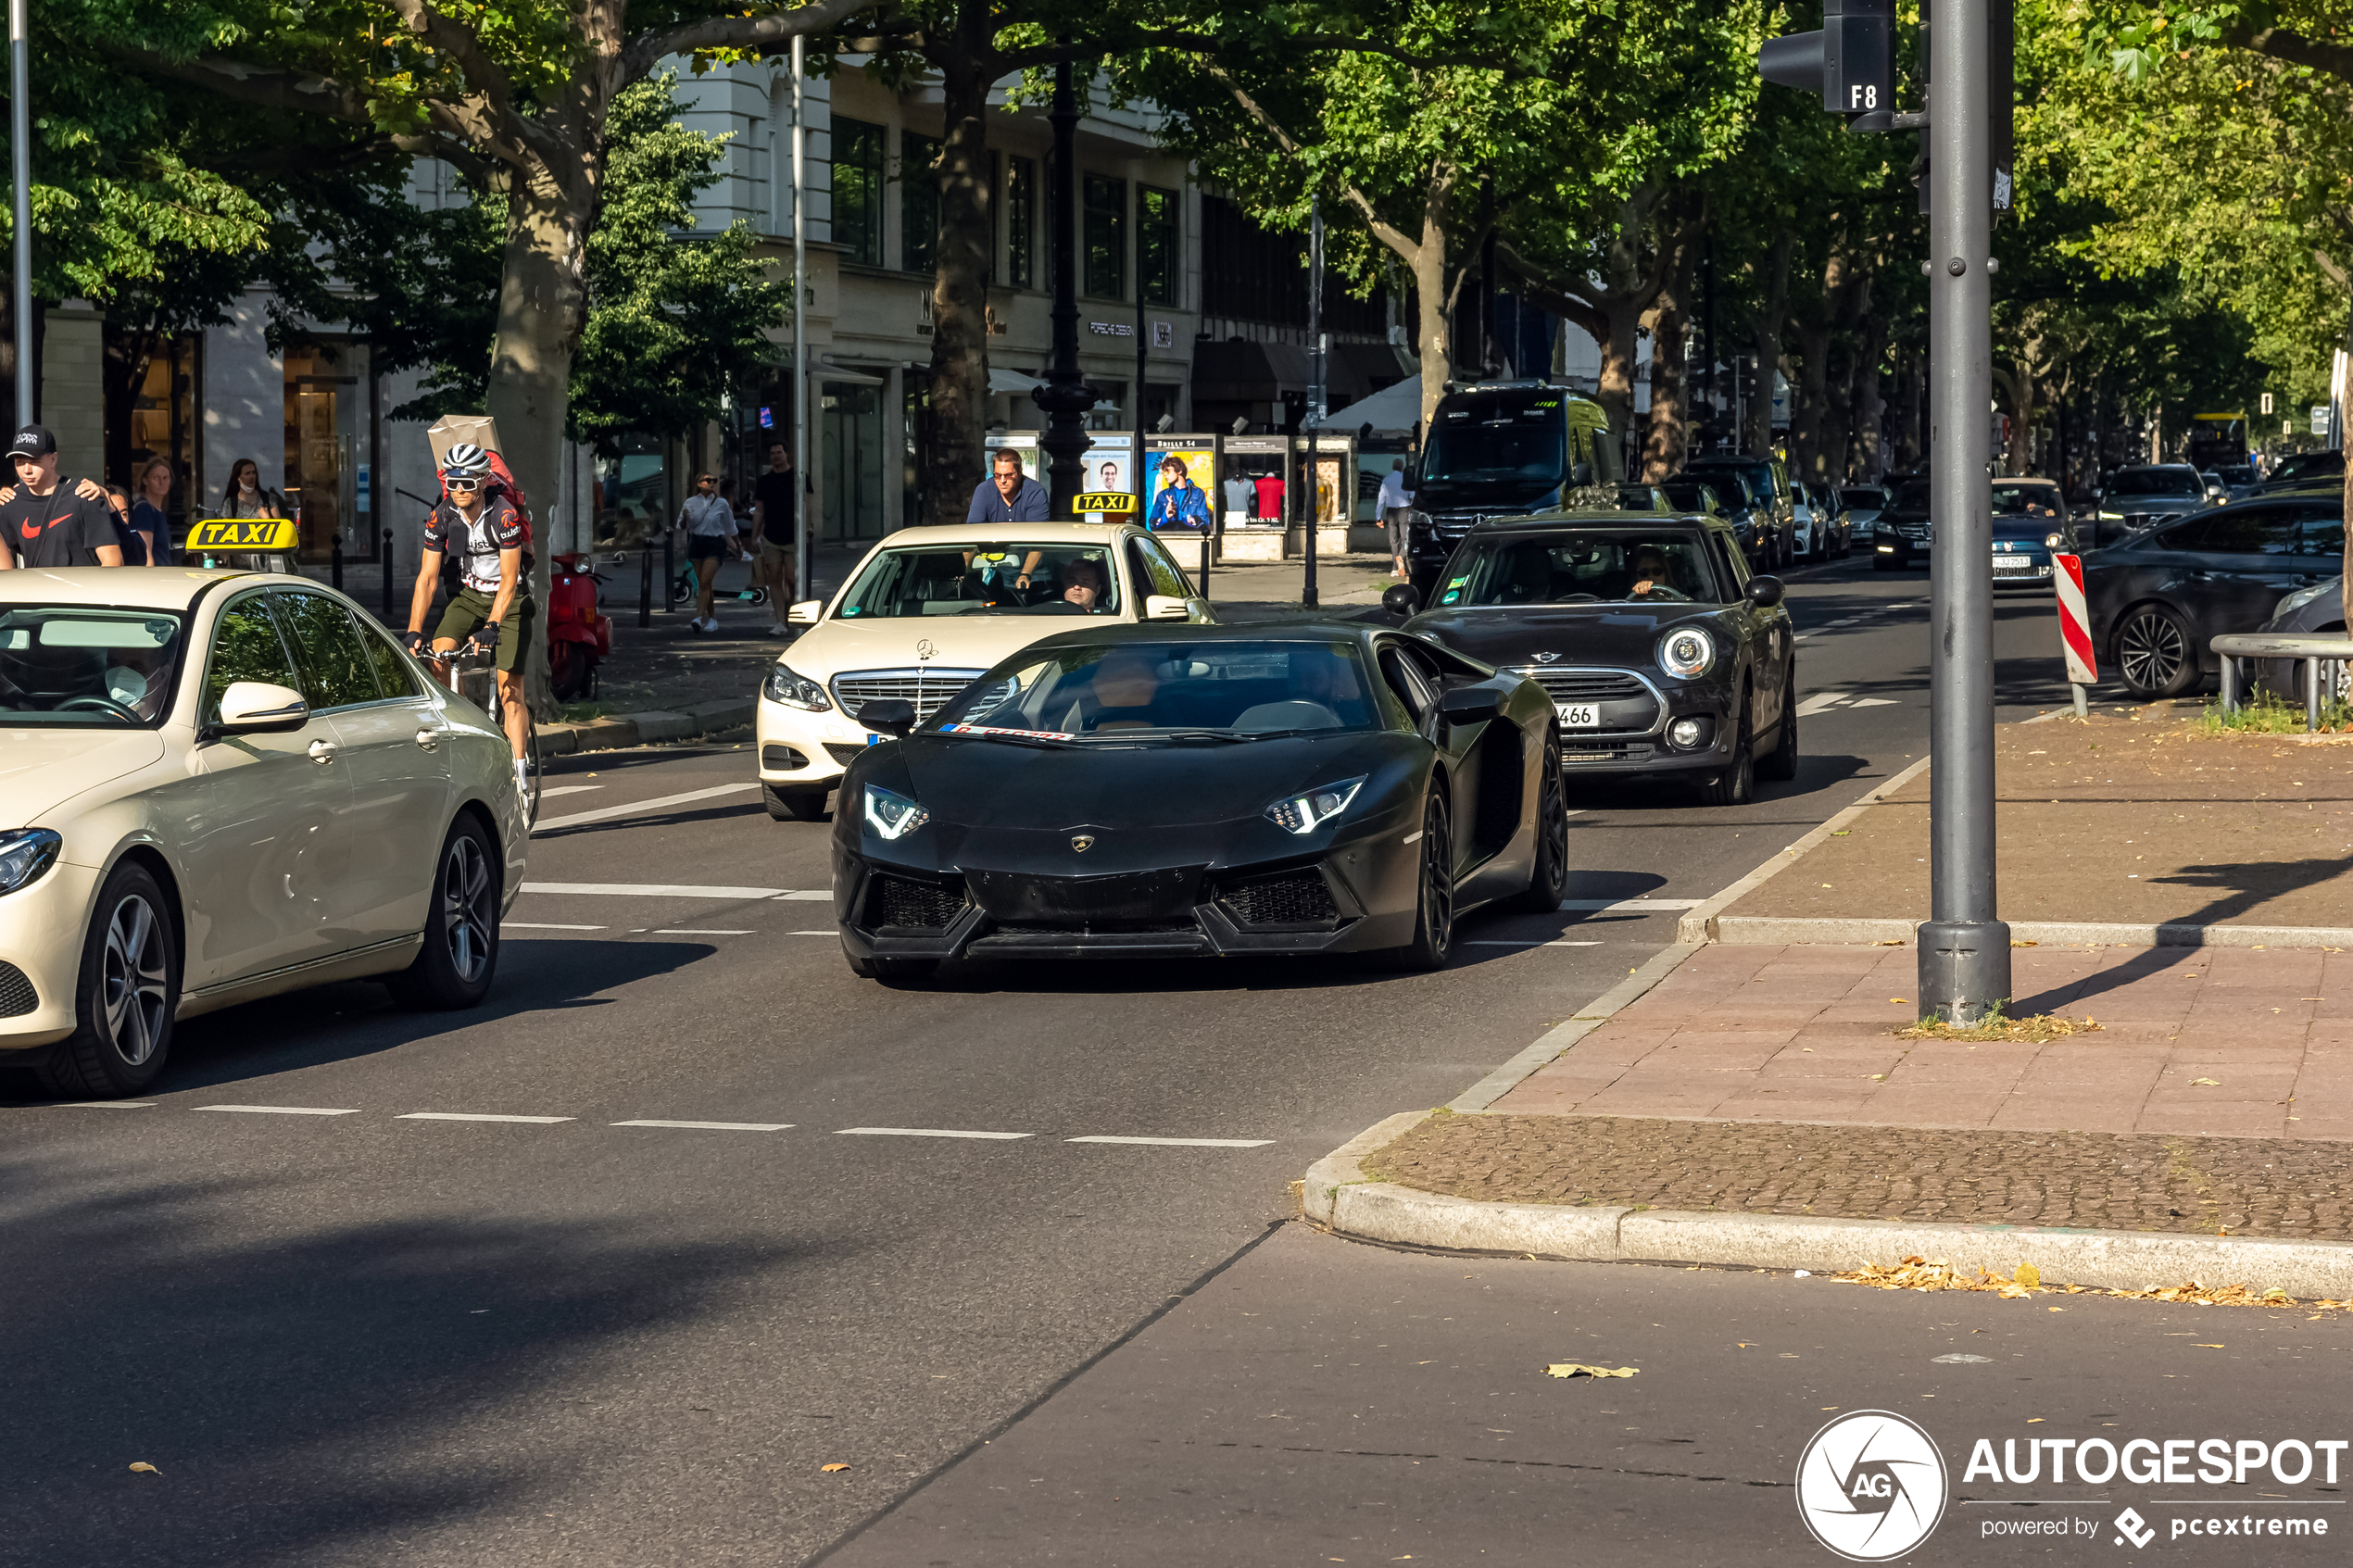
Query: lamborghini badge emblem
x=1082 y=842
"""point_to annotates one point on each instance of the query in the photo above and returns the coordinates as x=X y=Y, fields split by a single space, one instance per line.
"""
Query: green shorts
x=471 y=610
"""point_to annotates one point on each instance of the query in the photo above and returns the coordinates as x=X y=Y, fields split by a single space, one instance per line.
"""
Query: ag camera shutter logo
x=1871 y=1486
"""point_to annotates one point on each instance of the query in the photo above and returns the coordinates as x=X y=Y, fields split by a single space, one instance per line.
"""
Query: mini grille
x=928 y=689
x=921 y=905
x=1629 y=752
x=782 y=758
x=845 y=755
x=1300 y=898
x=15 y=992
x=1588 y=685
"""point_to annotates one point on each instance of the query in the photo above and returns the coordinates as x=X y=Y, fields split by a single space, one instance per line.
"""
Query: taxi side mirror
x=1161 y=606
x=805 y=613
x=259 y=707
x=889 y=716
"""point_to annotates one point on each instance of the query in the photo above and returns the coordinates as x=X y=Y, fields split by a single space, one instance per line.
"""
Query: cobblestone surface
x=2255 y=1186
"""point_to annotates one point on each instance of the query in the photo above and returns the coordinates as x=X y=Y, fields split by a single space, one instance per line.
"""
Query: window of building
x=1021 y=222
x=918 y=202
x=1105 y=241
x=857 y=190
x=1157 y=251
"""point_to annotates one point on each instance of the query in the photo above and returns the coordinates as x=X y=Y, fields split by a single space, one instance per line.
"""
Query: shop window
x=918 y=202
x=857 y=190
x=1021 y=222
x=1105 y=242
x=1157 y=255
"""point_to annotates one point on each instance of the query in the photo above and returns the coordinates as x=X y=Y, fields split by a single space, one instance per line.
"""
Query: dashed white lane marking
x=808 y=894
x=712 y=1126
x=813 y=933
x=926 y=1133
x=1513 y=942
x=1183 y=1143
x=542 y=925
x=653 y=889
x=104 y=1105
x=645 y=808
x=1818 y=702
x=473 y=1116
x=1578 y=812
x=1872 y=702
x=697 y=931
x=1594 y=906
x=551 y=791
x=285 y=1110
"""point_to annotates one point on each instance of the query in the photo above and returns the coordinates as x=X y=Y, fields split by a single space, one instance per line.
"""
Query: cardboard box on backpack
x=450 y=429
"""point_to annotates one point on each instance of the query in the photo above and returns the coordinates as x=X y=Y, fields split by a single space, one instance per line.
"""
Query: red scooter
x=579 y=635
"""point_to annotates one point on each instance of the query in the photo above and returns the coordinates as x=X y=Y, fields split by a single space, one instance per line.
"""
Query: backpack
x=502 y=482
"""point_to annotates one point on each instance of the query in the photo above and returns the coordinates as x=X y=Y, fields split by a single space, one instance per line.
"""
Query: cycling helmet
x=465 y=460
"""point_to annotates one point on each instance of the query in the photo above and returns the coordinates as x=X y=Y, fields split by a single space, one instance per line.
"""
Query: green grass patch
x=2268 y=713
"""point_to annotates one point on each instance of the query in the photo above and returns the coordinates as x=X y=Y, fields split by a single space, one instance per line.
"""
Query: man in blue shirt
x=1008 y=495
x=1180 y=503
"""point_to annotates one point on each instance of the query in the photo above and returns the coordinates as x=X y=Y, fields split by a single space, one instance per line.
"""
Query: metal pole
x=387 y=583
x=1308 y=598
x=1964 y=951
x=1136 y=476
x=20 y=146
x=2311 y=695
x=804 y=517
x=1065 y=397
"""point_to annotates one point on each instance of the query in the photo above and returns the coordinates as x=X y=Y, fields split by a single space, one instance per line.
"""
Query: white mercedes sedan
x=217 y=786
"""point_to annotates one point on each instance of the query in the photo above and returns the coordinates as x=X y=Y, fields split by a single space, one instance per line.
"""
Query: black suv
x=1763 y=514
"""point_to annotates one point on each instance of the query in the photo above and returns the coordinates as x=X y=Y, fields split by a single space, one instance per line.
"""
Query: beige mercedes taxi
x=930 y=608
x=219 y=786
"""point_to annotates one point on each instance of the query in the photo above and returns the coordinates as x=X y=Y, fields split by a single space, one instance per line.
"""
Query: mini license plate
x=1580 y=715
x=2012 y=563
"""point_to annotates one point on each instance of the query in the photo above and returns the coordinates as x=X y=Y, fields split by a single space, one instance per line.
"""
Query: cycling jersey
x=496 y=527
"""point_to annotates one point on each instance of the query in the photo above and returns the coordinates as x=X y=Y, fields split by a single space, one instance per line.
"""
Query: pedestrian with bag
x=45 y=522
x=711 y=540
x=1397 y=515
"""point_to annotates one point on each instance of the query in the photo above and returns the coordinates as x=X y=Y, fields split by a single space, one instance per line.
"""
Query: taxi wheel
x=794 y=805
x=128 y=991
x=461 y=955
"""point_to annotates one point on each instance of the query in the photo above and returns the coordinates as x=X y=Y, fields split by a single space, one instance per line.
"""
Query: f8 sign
x=1851 y=61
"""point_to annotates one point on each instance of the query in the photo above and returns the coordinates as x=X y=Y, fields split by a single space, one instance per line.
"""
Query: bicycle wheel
x=534 y=772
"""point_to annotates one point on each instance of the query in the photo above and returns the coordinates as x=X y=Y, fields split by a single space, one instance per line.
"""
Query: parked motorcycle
x=579 y=634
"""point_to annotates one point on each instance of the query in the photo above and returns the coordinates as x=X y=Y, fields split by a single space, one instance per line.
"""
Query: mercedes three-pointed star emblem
x=927 y=648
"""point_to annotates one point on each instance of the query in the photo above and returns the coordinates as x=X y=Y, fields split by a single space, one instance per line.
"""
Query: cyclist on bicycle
x=493 y=610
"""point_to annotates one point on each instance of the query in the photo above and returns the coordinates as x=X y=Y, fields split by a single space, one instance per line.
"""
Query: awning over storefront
x=1005 y=382
x=1395 y=408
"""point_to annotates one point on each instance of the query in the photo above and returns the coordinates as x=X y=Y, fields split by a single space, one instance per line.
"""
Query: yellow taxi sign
x=242 y=534
x=1102 y=501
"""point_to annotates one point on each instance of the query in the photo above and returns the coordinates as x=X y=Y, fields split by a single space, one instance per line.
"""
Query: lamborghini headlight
x=892 y=816
x=1304 y=813
x=1687 y=651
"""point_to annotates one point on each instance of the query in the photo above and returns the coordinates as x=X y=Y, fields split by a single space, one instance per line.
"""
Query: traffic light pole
x=1964 y=951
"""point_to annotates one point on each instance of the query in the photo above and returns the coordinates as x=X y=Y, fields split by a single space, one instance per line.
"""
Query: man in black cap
x=45 y=523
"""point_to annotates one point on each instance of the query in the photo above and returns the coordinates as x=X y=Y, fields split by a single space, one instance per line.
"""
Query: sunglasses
x=468 y=485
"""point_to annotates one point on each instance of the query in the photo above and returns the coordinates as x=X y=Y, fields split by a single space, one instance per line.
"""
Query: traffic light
x=1851 y=62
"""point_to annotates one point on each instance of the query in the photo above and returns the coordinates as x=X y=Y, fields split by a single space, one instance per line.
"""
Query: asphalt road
x=607 y=1271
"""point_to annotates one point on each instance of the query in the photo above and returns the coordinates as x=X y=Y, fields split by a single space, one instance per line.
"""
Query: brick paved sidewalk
x=2193 y=1041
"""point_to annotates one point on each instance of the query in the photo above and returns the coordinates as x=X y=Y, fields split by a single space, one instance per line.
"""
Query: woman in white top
x=712 y=533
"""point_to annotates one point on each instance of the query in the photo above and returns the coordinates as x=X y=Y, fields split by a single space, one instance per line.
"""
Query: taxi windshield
x=1170 y=691
x=1641 y=566
x=986 y=579
x=76 y=665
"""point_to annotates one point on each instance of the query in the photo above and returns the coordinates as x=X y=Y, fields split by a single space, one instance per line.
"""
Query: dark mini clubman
x=1663 y=658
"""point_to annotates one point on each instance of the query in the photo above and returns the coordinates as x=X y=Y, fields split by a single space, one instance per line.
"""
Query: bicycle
x=463 y=662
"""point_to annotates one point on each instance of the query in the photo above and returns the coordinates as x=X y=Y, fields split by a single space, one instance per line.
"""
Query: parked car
x=1694 y=496
x=1767 y=492
x=924 y=614
x=1900 y=532
x=2314 y=611
x=222 y=787
x=2138 y=498
x=2157 y=600
x=1822 y=527
x=2237 y=480
x=2031 y=524
x=1642 y=498
x=2299 y=470
x=1666 y=658
x=1860 y=504
x=1293 y=788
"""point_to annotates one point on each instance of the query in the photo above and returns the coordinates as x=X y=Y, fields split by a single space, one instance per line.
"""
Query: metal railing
x=2312 y=652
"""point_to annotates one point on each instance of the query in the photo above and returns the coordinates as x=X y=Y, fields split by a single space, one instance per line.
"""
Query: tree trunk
x=1866 y=439
x=1664 y=442
x=122 y=371
x=1765 y=341
x=1428 y=262
x=543 y=305
x=959 y=413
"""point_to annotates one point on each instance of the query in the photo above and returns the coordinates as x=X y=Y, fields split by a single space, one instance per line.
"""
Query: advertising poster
x=1111 y=462
x=1195 y=510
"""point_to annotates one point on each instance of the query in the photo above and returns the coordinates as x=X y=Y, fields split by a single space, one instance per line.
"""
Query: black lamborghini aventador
x=1154 y=791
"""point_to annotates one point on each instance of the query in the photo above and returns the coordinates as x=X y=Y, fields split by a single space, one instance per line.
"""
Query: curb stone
x=1699 y=925
x=1763 y=930
x=617 y=731
x=1338 y=1194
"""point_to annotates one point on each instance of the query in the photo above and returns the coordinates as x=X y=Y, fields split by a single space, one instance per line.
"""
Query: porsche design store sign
x=1872 y=1485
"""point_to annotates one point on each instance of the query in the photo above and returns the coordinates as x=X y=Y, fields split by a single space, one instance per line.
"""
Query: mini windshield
x=986 y=580
x=76 y=665
x=1165 y=690
x=2156 y=481
x=1643 y=566
x=2026 y=500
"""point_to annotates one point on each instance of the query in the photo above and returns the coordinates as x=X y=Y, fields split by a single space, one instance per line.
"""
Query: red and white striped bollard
x=2075 y=629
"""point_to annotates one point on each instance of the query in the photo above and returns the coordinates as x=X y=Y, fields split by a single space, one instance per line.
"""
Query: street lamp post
x=20 y=143
x=803 y=551
x=1065 y=397
x=1964 y=951
x=1316 y=393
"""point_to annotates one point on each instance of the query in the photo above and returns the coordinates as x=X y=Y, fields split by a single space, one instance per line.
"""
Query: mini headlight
x=2053 y=541
x=1305 y=813
x=893 y=816
x=25 y=853
x=1687 y=651
x=794 y=690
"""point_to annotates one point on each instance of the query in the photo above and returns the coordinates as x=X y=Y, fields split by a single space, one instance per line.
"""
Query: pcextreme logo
x=1870 y=1486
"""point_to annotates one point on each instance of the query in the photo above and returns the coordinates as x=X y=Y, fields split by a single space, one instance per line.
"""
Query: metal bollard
x=335 y=561
x=2229 y=684
x=645 y=589
x=2313 y=695
x=386 y=558
x=1207 y=535
x=669 y=573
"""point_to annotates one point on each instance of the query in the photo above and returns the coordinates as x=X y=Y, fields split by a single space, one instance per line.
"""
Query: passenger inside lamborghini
x=986 y=579
x=72 y=664
x=1588 y=566
x=1173 y=691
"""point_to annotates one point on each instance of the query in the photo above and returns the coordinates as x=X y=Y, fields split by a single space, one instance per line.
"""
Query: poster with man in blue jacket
x=1176 y=502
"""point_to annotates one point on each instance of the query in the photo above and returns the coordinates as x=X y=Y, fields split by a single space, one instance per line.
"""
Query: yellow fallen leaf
x=830 y=1469
x=2033 y=1419
x=1579 y=1369
x=1896 y=1001
x=2209 y=1083
x=2028 y=1275
x=2206 y=1347
x=142 y=1467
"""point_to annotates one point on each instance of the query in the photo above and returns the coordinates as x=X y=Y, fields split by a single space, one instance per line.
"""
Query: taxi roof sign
x=265 y=534
x=1102 y=501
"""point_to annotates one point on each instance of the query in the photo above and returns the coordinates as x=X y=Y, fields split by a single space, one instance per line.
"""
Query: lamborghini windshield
x=1165 y=691
x=1644 y=566
x=986 y=579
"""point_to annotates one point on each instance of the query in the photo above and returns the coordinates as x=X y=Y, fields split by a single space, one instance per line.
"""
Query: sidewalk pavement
x=1751 y=1100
